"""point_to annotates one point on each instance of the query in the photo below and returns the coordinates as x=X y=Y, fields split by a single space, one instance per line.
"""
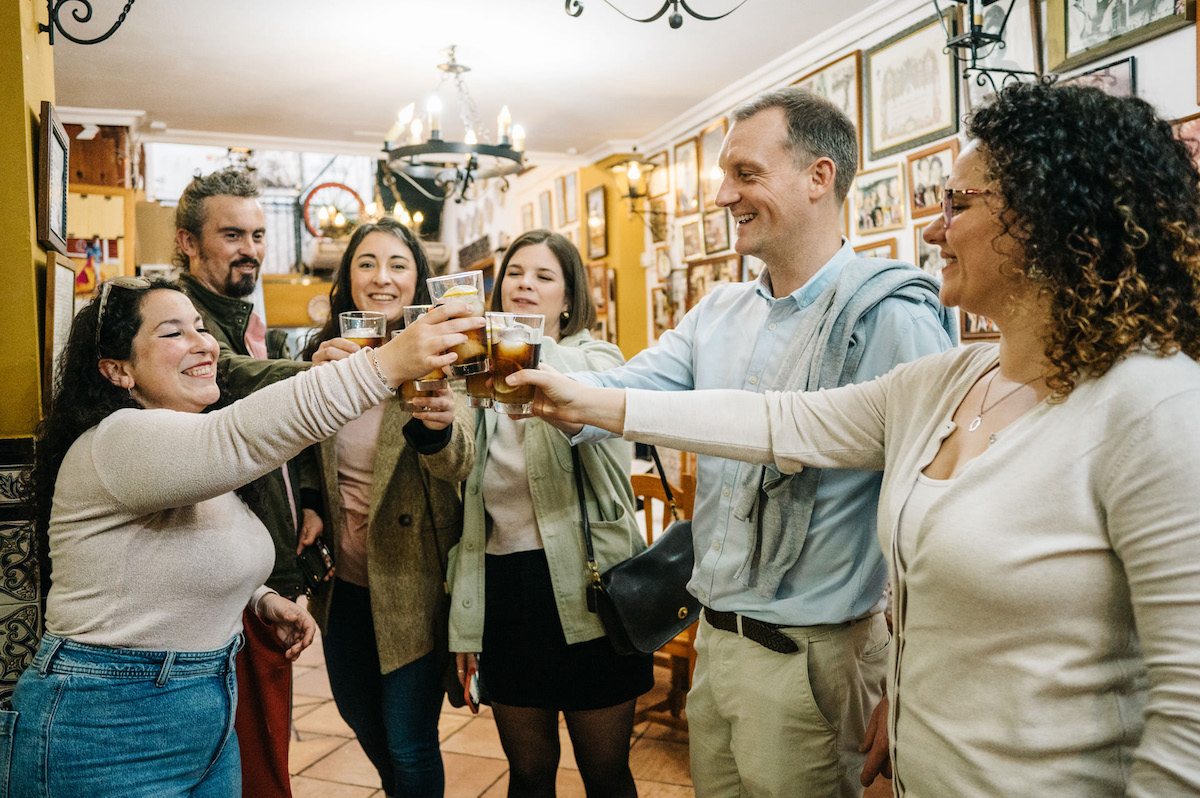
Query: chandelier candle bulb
x=434 y=109
x=518 y=138
x=504 y=125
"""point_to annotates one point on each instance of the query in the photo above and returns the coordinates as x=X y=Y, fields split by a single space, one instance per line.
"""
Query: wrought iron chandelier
x=80 y=15
x=632 y=175
x=978 y=41
x=453 y=166
x=575 y=7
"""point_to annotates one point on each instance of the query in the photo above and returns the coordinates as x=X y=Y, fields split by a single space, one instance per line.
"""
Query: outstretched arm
x=567 y=404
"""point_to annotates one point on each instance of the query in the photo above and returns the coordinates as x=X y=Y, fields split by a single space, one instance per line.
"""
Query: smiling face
x=228 y=255
x=383 y=275
x=764 y=188
x=533 y=283
x=982 y=258
x=173 y=363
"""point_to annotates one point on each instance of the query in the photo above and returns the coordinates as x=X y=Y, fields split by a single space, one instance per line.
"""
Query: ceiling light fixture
x=454 y=166
x=575 y=7
x=81 y=15
x=983 y=35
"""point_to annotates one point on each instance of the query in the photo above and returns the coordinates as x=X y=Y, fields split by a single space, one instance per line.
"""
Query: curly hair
x=578 y=296
x=190 y=213
x=82 y=397
x=340 y=296
x=1105 y=205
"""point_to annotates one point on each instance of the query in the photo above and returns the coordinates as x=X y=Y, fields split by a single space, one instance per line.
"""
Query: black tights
x=600 y=738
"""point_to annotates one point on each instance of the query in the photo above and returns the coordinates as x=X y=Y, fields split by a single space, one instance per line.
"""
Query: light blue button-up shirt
x=735 y=338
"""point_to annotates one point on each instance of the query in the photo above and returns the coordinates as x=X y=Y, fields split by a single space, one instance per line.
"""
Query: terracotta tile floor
x=327 y=762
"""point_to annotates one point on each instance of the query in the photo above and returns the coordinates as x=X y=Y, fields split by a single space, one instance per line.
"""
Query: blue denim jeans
x=95 y=721
x=394 y=715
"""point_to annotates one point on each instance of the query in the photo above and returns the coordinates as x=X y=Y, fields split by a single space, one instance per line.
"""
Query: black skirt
x=526 y=661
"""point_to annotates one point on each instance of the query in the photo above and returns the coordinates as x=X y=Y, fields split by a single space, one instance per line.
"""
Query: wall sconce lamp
x=80 y=15
x=984 y=22
x=632 y=176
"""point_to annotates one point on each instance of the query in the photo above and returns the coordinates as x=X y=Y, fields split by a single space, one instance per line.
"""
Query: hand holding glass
x=436 y=379
x=464 y=287
x=516 y=344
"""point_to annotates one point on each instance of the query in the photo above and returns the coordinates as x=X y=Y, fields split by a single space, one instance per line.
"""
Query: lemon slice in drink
x=465 y=293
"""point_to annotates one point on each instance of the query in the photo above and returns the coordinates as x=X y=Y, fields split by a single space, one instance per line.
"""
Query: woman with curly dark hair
x=1039 y=496
x=132 y=690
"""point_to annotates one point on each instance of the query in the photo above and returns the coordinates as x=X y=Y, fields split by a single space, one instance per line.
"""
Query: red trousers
x=264 y=712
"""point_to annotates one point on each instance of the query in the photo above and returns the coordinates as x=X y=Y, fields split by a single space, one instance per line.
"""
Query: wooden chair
x=680 y=653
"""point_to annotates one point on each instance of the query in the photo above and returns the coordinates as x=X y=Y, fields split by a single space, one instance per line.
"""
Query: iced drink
x=434 y=380
x=464 y=287
x=516 y=345
x=363 y=327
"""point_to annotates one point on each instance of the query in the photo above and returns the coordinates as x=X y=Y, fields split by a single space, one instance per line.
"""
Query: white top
x=1047 y=640
x=151 y=549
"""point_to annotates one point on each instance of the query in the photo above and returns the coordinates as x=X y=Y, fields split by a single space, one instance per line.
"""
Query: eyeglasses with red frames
x=131 y=283
x=948 y=201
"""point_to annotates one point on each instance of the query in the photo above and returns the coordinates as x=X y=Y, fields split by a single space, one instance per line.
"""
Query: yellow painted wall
x=626 y=243
x=26 y=78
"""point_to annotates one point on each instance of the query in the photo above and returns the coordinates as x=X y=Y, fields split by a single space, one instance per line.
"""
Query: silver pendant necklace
x=984 y=407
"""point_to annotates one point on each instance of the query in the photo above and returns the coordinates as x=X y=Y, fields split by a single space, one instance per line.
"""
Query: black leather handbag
x=643 y=602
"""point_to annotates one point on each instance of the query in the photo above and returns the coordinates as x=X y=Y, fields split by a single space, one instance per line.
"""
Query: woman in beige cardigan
x=392 y=512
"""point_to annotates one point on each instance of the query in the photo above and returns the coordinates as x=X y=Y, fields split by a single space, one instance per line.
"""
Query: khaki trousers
x=769 y=725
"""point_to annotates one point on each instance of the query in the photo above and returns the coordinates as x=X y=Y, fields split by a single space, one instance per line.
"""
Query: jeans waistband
x=62 y=655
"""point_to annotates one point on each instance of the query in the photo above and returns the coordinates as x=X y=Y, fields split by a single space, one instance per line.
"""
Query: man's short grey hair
x=190 y=213
x=816 y=129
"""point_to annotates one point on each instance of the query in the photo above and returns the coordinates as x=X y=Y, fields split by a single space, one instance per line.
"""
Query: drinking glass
x=516 y=344
x=364 y=327
x=464 y=287
x=479 y=392
x=436 y=379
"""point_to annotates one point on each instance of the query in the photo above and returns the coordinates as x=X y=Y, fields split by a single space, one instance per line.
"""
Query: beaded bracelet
x=378 y=371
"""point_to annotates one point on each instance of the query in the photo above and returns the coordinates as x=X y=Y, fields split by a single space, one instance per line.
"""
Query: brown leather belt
x=767 y=635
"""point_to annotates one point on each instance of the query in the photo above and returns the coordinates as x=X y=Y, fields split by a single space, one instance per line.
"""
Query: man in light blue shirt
x=792 y=651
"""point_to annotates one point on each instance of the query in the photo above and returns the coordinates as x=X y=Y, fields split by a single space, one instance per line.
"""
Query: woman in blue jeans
x=392 y=510
x=154 y=556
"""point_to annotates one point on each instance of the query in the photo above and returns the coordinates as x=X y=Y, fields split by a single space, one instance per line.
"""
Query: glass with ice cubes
x=516 y=344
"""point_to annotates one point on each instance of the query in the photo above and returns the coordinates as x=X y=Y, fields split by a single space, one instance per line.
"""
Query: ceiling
x=240 y=72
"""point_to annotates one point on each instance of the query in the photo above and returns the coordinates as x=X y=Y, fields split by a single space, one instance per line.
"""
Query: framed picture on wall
x=1118 y=78
x=1022 y=50
x=60 y=312
x=597 y=223
x=52 y=178
x=598 y=282
x=973 y=327
x=658 y=181
x=658 y=220
x=878 y=200
x=693 y=242
x=929 y=257
x=570 y=199
x=839 y=82
x=911 y=93
x=1187 y=130
x=544 y=208
x=1081 y=31
x=927 y=172
x=716 y=231
x=662 y=262
x=710 y=150
x=526 y=217
x=878 y=249
x=560 y=199
x=687 y=184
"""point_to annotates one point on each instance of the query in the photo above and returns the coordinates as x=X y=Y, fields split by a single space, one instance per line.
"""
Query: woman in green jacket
x=519 y=573
x=392 y=510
